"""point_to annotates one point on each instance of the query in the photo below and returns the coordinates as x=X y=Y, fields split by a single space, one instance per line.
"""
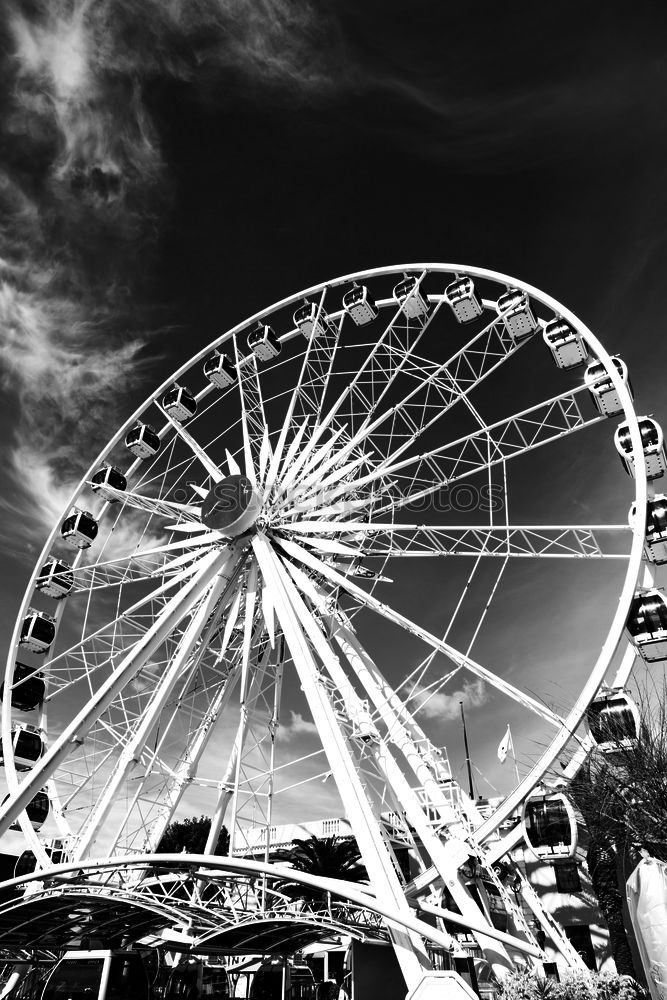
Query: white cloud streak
x=296 y=728
x=82 y=194
x=448 y=706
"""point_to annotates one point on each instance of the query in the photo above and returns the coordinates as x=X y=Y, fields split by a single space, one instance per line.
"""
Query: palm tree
x=623 y=800
x=322 y=857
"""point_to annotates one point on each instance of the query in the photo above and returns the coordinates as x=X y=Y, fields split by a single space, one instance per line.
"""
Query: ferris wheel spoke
x=509 y=438
x=169 y=799
x=264 y=456
x=426 y=540
x=152 y=505
x=75 y=732
x=306 y=375
x=398 y=322
x=439 y=390
x=105 y=633
x=309 y=459
x=402 y=729
x=169 y=702
x=458 y=658
x=253 y=420
x=371 y=836
x=139 y=565
x=380 y=769
x=209 y=465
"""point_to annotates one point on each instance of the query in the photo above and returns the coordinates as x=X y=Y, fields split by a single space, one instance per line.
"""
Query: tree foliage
x=623 y=800
x=190 y=835
x=573 y=986
x=323 y=857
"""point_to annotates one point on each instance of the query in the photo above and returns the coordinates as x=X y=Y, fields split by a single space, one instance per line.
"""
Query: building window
x=579 y=937
x=567 y=877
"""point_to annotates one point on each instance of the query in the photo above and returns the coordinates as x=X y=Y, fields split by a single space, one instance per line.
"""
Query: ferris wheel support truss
x=233 y=609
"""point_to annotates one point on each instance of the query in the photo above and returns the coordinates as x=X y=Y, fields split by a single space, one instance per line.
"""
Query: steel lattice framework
x=199 y=614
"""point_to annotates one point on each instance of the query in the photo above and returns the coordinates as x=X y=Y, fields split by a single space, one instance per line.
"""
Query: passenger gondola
x=179 y=403
x=566 y=345
x=360 y=305
x=28 y=688
x=463 y=300
x=655 y=545
x=79 y=528
x=647 y=625
x=652 y=443
x=263 y=342
x=108 y=476
x=37 y=810
x=599 y=383
x=55 y=579
x=37 y=632
x=307 y=320
x=27 y=746
x=613 y=721
x=408 y=295
x=549 y=824
x=143 y=441
x=220 y=370
x=515 y=308
x=27 y=862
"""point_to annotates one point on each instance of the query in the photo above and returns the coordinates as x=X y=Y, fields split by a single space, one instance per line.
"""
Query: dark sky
x=171 y=169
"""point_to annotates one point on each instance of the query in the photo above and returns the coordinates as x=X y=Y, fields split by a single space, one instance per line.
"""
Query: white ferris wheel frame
x=22 y=791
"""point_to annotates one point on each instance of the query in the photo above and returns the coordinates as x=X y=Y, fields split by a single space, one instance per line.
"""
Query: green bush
x=574 y=985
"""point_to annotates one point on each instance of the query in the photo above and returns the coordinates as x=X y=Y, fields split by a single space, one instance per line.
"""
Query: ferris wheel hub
x=232 y=507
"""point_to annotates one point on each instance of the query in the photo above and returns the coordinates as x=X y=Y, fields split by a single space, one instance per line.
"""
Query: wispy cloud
x=296 y=727
x=447 y=706
x=83 y=191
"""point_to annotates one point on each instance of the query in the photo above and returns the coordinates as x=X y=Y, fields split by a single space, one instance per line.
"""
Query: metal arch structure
x=181 y=619
x=145 y=894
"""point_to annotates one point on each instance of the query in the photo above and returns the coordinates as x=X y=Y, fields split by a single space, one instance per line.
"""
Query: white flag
x=504 y=746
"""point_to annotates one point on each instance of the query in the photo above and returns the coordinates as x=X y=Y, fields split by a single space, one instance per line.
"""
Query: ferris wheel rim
x=634 y=561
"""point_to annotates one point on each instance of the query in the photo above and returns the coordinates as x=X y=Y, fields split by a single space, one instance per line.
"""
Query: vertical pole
x=516 y=767
x=465 y=740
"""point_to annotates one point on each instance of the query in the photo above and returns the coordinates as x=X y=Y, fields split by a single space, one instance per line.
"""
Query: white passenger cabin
x=566 y=345
x=79 y=529
x=518 y=316
x=37 y=632
x=613 y=721
x=408 y=295
x=28 y=688
x=655 y=545
x=27 y=746
x=604 y=395
x=55 y=579
x=106 y=480
x=37 y=810
x=307 y=320
x=652 y=443
x=549 y=824
x=220 y=370
x=463 y=300
x=360 y=305
x=263 y=342
x=142 y=441
x=647 y=625
x=179 y=403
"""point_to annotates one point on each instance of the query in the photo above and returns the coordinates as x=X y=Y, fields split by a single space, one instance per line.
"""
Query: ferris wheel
x=357 y=507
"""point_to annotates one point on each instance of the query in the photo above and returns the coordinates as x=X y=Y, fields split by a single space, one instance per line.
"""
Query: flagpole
x=465 y=740
x=516 y=768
